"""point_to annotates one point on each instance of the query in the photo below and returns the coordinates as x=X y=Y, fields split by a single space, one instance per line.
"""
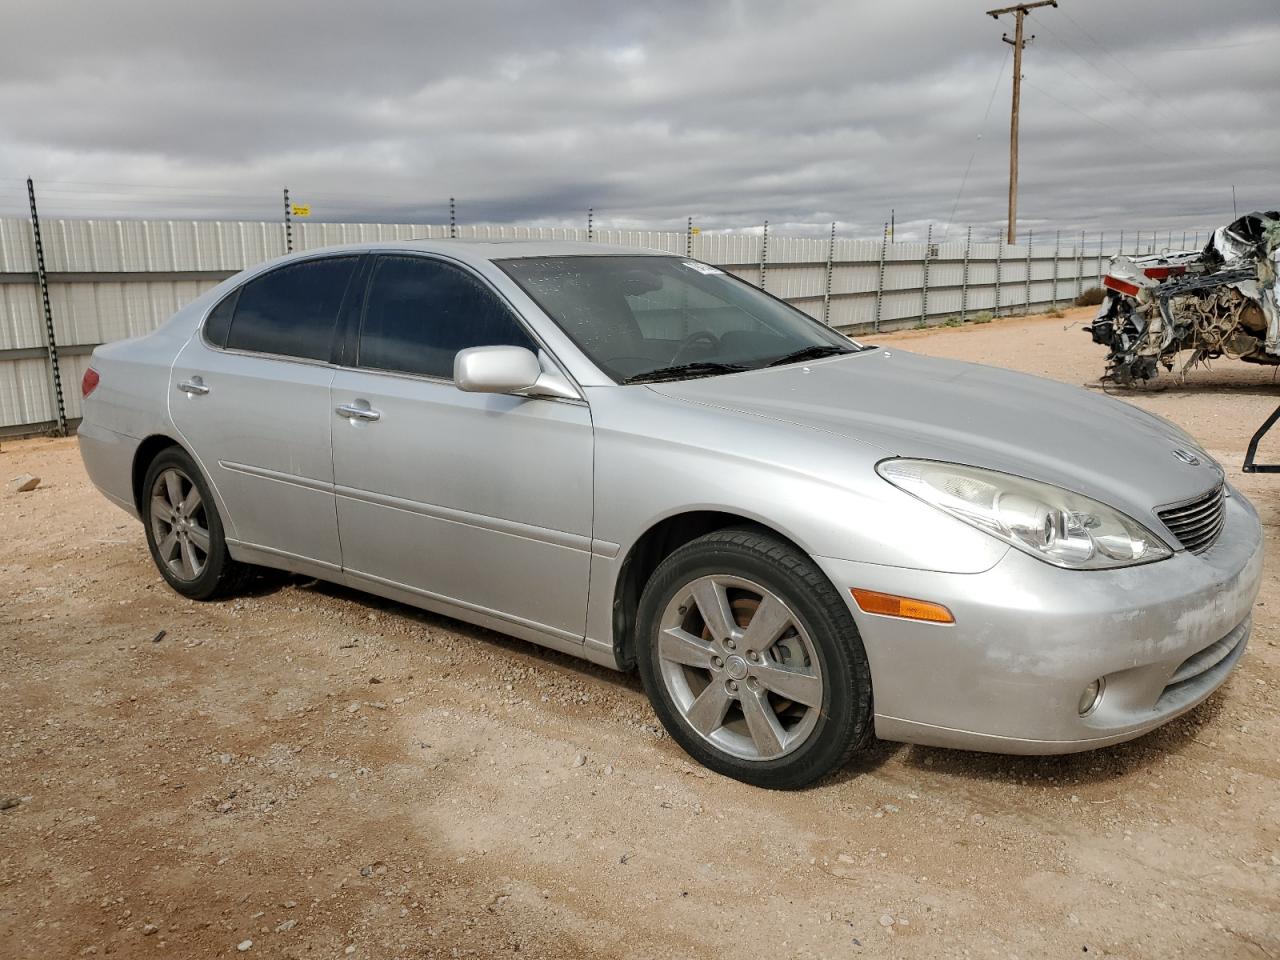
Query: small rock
x=608 y=769
x=353 y=708
x=286 y=926
x=890 y=808
x=579 y=760
x=24 y=483
x=244 y=945
x=886 y=920
x=149 y=929
x=351 y=948
x=1231 y=788
x=159 y=636
x=8 y=803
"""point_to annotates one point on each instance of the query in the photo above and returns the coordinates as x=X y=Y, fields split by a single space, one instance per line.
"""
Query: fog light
x=1091 y=697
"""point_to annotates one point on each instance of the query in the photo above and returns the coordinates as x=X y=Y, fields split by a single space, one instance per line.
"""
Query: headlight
x=1056 y=525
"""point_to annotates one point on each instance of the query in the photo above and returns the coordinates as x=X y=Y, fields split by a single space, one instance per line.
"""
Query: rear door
x=250 y=397
x=481 y=501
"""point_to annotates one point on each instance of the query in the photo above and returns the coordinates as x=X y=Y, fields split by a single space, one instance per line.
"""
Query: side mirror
x=507 y=370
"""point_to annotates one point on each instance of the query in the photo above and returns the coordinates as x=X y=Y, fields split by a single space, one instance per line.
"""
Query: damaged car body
x=798 y=540
x=1209 y=303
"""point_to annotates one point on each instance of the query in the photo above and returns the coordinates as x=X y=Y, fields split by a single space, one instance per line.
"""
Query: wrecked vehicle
x=1217 y=301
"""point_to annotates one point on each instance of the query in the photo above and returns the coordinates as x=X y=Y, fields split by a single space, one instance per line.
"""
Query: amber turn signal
x=890 y=605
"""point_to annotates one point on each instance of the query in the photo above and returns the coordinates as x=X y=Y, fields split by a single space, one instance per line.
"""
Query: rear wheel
x=752 y=660
x=184 y=531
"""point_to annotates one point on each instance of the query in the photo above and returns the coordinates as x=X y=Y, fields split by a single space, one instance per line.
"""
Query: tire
x=185 y=537
x=711 y=681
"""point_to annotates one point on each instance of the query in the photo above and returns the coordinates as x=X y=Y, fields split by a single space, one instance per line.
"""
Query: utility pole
x=1019 y=12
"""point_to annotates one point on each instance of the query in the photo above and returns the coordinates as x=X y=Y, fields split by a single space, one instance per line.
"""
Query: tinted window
x=291 y=311
x=218 y=322
x=639 y=315
x=421 y=312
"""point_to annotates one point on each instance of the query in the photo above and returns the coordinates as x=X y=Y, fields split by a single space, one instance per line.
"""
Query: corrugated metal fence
x=113 y=279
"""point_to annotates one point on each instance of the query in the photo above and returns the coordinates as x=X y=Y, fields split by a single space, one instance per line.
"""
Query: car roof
x=489 y=250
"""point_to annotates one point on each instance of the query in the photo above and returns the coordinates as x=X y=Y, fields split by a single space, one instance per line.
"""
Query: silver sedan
x=797 y=539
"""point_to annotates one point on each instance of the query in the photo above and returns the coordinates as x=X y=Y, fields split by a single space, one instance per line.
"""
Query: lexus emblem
x=1185 y=457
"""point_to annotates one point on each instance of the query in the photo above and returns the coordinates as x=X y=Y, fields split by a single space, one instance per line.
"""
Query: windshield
x=653 y=318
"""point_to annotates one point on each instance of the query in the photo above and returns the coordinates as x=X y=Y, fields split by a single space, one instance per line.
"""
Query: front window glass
x=653 y=318
x=421 y=312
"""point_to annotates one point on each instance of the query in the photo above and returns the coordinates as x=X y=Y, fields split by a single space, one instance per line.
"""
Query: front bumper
x=1028 y=638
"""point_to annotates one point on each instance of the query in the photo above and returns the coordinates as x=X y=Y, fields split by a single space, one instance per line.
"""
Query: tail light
x=1128 y=289
x=1161 y=273
x=89 y=382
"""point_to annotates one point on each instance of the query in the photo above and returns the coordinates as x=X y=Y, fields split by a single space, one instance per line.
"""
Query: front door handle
x=353 y=412
x=194 y=387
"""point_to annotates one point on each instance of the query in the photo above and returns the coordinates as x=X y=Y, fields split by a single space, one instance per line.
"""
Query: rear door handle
x=353 y=412
x=194 y=387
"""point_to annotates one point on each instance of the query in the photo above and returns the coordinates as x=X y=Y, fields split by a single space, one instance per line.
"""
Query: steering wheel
x=689 y=341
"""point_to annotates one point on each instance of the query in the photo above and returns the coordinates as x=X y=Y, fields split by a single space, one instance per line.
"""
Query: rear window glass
x=292 y=311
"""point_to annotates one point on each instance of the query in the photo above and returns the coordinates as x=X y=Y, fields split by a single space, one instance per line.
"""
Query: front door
x=477 y=501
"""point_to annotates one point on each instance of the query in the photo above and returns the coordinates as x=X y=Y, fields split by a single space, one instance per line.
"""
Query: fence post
x=999 y=265
x=51 y=341
x=688 y=239
x=1057 y=247
x=826 y=296
x=453 y=220
x=924 y=290
x=590 y=231
x=884 y=242
x=764 y=254
x=964 y=276
x=1026 y=307
x=1080 y=266
x=1101 y=236
x=288 y=223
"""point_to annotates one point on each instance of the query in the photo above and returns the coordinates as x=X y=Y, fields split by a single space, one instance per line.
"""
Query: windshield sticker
x=701 y=267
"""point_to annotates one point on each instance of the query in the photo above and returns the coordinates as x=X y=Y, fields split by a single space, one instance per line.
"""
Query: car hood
x=910 y=405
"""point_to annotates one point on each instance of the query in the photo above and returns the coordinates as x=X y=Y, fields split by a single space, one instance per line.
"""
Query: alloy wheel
x=740 y=667
x=179 y=524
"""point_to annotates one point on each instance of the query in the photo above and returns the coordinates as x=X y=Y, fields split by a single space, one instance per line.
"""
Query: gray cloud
x=1136 y=115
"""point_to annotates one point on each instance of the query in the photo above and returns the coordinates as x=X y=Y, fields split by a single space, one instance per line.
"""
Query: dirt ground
x=327 y=774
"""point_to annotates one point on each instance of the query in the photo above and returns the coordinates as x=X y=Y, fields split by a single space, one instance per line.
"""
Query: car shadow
x=270 y=584
x=1103 y=765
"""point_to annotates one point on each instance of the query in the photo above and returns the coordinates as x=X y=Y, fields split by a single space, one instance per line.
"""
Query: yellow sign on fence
x=696 y=230
x=302 y=209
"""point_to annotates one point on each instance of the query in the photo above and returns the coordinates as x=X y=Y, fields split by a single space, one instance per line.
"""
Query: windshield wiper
x=699 y=368
x=815 y=352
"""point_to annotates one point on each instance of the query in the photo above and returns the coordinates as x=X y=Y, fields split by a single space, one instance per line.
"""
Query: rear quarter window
x=218 y=324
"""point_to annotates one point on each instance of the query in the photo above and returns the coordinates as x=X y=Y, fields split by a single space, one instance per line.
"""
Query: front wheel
x=752 y=660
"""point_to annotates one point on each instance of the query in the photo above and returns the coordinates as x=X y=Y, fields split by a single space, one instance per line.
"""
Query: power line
x=1156 y=105
x=982 y=128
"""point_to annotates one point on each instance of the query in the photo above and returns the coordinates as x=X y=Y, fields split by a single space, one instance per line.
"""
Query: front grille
x=1198 y=522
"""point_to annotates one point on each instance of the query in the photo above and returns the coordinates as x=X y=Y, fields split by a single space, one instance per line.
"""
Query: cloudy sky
x=1136 y=113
